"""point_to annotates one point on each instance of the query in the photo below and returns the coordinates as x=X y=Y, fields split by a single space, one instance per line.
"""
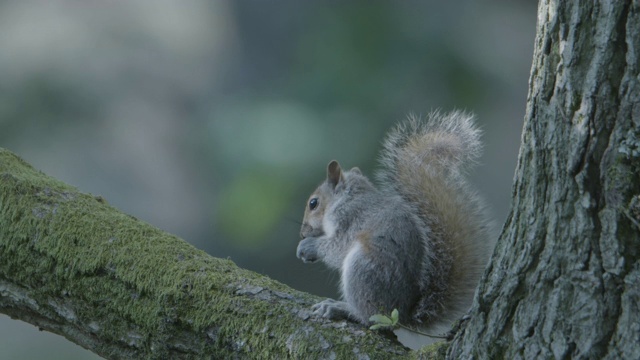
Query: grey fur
x=418 y=243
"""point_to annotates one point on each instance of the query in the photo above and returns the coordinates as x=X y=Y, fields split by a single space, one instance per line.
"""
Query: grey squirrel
x=418 y=242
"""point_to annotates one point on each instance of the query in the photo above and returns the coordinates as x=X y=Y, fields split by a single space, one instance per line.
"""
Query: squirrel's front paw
x=332 y=309
x=308 y=250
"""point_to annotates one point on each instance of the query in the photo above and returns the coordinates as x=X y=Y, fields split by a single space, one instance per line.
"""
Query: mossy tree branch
x=73 y=265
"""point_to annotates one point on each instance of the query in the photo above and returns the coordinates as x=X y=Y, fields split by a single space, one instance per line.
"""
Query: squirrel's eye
x=313 y=203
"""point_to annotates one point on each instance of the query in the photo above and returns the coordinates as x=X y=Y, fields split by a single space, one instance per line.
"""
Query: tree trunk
x=75 y=266
x=564 y=281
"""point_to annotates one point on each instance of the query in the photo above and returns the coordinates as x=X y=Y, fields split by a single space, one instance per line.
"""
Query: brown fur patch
x=364 y=238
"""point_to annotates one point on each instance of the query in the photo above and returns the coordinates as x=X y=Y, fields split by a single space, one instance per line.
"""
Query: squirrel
x=418 y=242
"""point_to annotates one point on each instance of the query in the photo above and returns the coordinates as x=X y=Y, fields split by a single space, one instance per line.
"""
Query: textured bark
x=73 y=265
x=564 y=281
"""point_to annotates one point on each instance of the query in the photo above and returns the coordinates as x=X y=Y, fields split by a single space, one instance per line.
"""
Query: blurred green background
x=214 y=120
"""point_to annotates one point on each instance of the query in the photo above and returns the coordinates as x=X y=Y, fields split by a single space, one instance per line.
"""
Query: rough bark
x=564 y=281
x=73 y=265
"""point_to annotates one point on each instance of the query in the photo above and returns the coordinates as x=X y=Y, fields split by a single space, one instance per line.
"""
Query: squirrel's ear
x=356 y=170
x=334 y=173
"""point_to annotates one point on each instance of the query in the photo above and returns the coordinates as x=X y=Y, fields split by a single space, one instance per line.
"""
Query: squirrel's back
x=424 y=161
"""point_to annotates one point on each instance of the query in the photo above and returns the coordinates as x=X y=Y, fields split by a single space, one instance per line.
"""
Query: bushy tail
x=424 y=161
x=443 y=142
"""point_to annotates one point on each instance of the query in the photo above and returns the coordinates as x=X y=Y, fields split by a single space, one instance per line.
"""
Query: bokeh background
x=214 y=120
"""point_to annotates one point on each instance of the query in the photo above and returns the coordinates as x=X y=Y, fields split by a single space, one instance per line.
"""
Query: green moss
x=84 y=261
x=435 y=351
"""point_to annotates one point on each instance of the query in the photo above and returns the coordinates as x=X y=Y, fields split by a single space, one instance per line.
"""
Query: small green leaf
x=394 y=316
x=381 y=319
x=376 y=326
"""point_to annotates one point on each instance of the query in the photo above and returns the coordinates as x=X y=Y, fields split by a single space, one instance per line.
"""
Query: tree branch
x=73 y=265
